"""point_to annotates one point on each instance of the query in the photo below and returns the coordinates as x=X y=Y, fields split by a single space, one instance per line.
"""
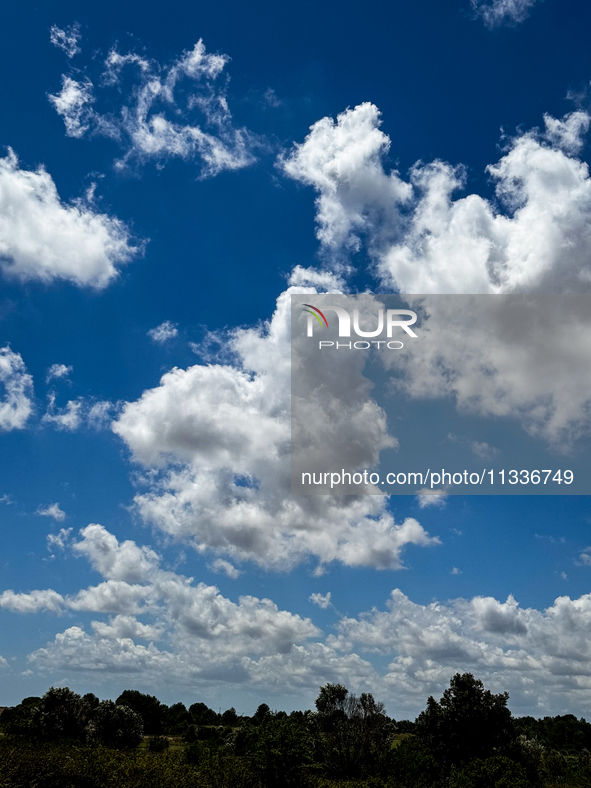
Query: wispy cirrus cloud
x=502 y=12
x=176 y=109
x=67 y=39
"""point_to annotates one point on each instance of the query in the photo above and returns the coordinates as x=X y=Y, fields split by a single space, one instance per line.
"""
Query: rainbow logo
x=315 y=315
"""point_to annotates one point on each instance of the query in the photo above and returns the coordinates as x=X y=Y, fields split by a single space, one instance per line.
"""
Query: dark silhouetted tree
x=203 y=715
x=261 y=714
x=468 y=723
x=148 y=707
x=229 y=717
x=91 y=699
x=115 y=725
x=18 y=720
x=61 y=714
x=279 y=748
x=177 y=719
x=354 y=732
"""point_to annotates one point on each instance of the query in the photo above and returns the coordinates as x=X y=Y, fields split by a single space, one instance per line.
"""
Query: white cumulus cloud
x=96 y=414
x=42 y=238
x=57 y=371
x=219 y=566
x=73 y=103
x=432 y=499
x=543 y=657
x=66 y=418
x=342 y=160
x=52 y=510
x=217 y=439
x=164 y=332
x=59 y=540
x=535 y=237
x=204 y=632
x=17 y=403
x=322 y=600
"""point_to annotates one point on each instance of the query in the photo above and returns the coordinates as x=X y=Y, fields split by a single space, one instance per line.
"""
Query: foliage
x=467 y=740
x=148 y=707
x=280 y=749
x=354 y=732
x=413 y=766
x=60 y=765
x=91 y=699
x=405 y=726
x=158 y=744
x=18 y=720
x=468 y=723
x=191 y=734
x=176 y=719
x=496 y=772
x=116 y=725
x=558 y=733
x=61 y=714
x=229 y=717
x=261 y=714
x=203 y=715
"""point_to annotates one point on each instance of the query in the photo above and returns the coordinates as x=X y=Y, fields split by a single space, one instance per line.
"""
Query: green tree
x=148 y=707
x=18 y=720
x=468 y=723
x=61 y=714
x=115 y=725
x=280 y=749
x=230 y=717
x=202 y=714
x=354 y=732
x=176 y=719
x=411 y=764
x=261 y=714
x=91 y=699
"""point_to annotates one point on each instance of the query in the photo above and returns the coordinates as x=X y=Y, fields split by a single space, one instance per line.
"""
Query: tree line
x=467 y=739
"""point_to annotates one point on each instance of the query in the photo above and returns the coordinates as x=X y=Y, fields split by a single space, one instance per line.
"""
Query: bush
x=190 y=735
x=496 y=772
x=413 y=766
x=115 y=726
x=57 y=765
x=158 y=744
x=18 y=720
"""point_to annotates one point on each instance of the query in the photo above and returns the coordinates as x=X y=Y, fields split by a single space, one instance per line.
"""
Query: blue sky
x=173 y=172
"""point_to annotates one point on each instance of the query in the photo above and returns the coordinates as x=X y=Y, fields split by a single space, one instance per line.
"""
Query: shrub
x=115 y=726
x=158 y=744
